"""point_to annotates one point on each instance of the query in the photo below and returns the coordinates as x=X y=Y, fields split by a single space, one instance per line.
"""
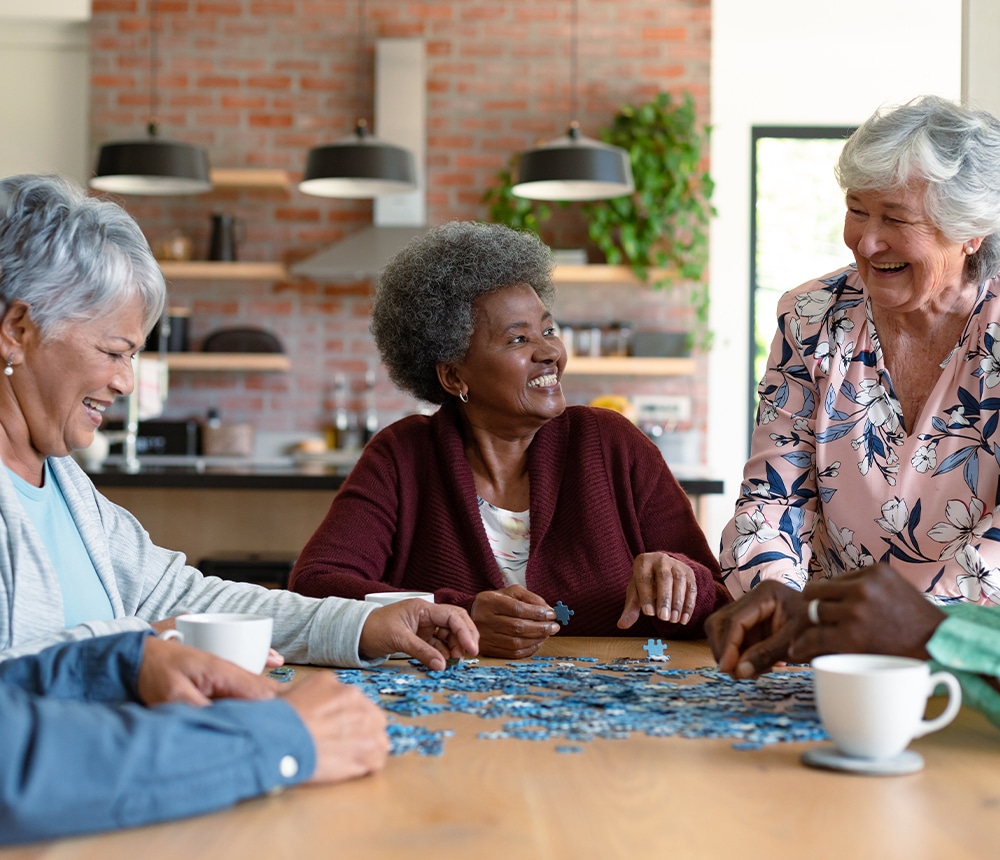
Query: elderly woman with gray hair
x=506 y=501
x=79 y=292
x=876 y=436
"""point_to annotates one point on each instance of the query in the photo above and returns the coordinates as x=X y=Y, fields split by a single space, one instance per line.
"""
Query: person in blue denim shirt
x=83 y=749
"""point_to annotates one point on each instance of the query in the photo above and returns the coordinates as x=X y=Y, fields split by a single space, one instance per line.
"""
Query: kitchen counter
x=283 y=473
x=201 y=505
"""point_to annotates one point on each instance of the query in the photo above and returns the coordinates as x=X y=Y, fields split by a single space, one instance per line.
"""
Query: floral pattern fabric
x=836 y=481
x=509 y=534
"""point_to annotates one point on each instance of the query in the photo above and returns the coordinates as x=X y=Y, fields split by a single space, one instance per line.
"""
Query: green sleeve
x=967 y=644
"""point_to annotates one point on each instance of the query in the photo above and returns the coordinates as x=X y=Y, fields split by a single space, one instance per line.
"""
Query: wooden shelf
x=598 y=274
x=228 y=362
x=579 y=365
x=211 y=271
x=250 y=177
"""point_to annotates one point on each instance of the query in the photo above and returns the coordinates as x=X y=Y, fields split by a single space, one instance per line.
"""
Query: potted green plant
x=661 y=229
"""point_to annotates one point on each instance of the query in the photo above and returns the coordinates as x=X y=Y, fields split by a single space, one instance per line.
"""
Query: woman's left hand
x=431 y=632
x=662 y=586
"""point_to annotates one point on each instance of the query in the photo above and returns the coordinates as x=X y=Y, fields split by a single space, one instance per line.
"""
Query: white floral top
x=835 y=481
x=509 y=534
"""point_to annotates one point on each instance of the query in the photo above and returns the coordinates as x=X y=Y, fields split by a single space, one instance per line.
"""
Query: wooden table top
x=640 y=797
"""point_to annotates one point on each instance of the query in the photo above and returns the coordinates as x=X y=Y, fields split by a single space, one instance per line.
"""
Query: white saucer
x=829 y=758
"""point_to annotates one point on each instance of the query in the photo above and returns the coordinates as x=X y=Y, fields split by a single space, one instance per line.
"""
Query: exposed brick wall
x=258 y=83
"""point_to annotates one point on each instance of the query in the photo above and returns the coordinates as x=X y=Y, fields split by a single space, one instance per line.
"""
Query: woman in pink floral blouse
x=876 y=436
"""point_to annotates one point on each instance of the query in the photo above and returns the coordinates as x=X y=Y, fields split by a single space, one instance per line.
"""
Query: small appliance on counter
x=226 y=440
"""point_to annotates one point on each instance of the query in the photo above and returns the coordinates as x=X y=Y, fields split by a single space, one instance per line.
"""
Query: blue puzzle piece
x=654 y=649
x=563 y=613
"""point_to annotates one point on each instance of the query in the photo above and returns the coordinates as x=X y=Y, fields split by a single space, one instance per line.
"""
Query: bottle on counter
x=371 y=413
x=338 y=423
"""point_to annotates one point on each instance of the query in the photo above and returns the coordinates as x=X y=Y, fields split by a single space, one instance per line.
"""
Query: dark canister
x=171 y=331
x=224 y=238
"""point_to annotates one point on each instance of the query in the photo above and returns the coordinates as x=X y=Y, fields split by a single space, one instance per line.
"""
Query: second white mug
x=872 y=706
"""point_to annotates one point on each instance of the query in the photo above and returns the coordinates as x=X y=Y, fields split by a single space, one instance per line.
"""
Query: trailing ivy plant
x=661 y=230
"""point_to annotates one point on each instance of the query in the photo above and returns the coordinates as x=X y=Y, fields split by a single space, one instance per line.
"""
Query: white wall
x=788 y=62
x=45 y=10
x=44 y=98
x=981 y=60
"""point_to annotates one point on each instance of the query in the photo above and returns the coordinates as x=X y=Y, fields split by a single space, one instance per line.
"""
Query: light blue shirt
x=83 y=593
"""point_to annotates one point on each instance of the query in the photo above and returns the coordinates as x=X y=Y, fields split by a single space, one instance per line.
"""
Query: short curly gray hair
x=954 y=149
x=423 y=311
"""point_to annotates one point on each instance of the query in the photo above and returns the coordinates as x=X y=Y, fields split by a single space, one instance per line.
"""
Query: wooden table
x=641 y=797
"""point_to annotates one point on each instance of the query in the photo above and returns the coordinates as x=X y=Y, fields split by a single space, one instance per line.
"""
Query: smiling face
x=515 y=363
x=54 y=400
x=904 y=260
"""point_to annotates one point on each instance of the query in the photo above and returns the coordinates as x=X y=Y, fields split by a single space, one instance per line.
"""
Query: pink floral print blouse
x=836 y=481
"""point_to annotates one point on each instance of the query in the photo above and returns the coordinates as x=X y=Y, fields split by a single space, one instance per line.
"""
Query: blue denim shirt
x=79 y=755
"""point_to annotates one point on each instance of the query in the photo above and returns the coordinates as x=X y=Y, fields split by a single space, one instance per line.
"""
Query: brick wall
x=258 y=82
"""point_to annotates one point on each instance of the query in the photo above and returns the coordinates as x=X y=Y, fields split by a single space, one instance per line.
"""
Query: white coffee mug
x=241 y=638
x=384 y=598
x=872 y=705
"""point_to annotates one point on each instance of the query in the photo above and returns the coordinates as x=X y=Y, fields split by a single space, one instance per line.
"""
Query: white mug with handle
x=241 y=638
x=872 y=705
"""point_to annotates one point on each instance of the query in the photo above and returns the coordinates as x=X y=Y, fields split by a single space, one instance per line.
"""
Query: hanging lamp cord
x=361 y=125
x=153 y=126
x=573 y=20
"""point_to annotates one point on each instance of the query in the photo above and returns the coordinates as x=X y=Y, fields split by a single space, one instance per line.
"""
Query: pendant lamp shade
x=573 y=167
x=152 y=166
x=359 y=166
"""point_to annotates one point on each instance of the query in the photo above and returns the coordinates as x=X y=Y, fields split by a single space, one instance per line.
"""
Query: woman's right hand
x=512 y=622
x=347 y=728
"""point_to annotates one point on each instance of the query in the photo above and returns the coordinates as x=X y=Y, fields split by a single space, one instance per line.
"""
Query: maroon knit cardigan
x=407 y=518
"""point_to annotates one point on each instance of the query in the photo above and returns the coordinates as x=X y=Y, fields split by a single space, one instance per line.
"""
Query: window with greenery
x=796 y=223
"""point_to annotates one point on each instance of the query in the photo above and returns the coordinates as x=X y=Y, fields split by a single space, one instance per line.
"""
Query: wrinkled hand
x=869 y=611
x=513 y=622
x=751 y=635
x=662 y=586
x=431 y=632
x=172 y=672
x=347 y=728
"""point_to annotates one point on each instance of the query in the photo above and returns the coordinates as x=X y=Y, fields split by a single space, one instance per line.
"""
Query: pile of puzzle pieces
x=578 y=699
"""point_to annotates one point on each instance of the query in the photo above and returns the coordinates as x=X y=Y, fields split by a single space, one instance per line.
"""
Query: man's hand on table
x=430 y=632
x=347 y=728
x=869 y=611
x=172 y=672
x=751 y=635
x=513 y=622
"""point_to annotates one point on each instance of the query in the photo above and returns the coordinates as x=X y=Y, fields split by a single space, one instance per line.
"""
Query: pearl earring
x=9 y=369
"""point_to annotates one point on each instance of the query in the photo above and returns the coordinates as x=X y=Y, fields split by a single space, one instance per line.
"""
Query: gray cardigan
x=146 y=583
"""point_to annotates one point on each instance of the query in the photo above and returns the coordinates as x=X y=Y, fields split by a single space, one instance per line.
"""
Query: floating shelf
x=598 y=274
x=211 y=271
x=579 y=365
x=262 y=362
x=250 y=177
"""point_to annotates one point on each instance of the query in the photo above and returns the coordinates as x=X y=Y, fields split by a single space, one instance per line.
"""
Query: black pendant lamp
x=573 y=167
x=152 y=166
x=359 y=165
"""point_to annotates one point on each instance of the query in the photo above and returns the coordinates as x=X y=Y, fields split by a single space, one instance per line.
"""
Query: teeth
x=889 y=267
x=544 y=381
x=90 y=404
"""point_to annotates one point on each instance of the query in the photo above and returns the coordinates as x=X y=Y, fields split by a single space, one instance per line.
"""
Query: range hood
x=400 y=118
x=361 y=255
